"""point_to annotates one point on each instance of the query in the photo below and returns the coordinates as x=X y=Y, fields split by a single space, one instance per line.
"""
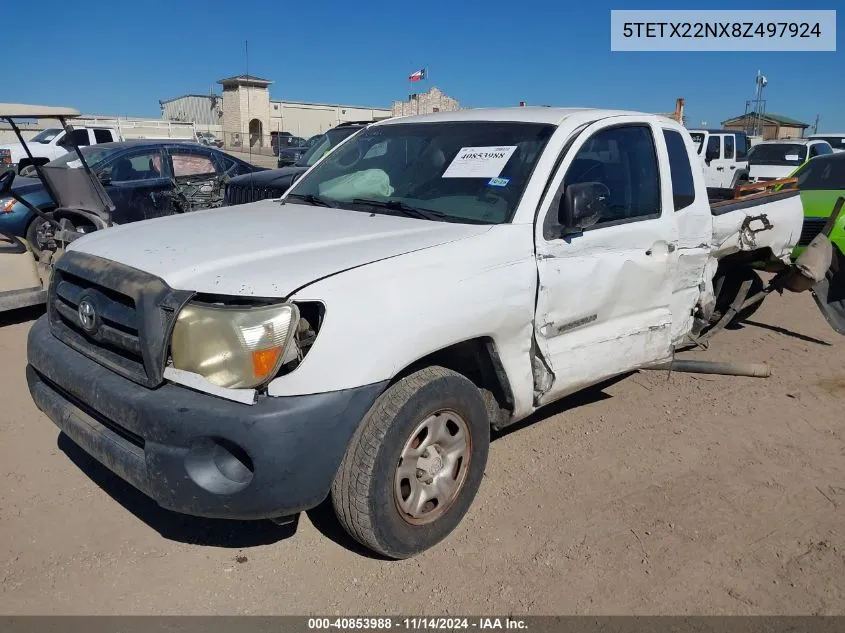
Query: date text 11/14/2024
x=416 y=623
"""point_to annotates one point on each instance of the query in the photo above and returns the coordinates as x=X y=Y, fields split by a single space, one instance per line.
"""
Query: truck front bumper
x=192 y=452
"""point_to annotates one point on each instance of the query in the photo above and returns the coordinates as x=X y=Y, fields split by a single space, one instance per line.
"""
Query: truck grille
x=242 y=194
x=811 y=228
x=116 y=315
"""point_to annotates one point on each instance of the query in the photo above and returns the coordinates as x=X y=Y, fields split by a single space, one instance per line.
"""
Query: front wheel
x=414 y=465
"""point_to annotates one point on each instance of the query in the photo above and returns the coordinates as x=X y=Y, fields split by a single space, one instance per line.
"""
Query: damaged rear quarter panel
x=776 y=225
x=384 y=316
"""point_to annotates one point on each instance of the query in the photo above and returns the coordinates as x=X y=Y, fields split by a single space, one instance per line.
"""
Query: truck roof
x=531 y=114
x=24 y=111
x=788 y=141
x=715 y=131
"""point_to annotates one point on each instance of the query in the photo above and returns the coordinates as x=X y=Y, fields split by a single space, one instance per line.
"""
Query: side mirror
x=711 y=156
x=583 y=205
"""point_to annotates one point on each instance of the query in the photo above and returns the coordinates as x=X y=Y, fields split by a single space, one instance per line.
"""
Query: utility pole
x=816 y=125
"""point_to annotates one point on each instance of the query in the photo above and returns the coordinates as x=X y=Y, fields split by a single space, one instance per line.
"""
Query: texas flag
x=418 y=76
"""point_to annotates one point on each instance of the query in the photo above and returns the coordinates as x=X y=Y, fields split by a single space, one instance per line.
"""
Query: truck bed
x=762 y=219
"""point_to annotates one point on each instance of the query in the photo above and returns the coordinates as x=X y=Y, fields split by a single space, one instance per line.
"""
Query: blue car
x=144 y=179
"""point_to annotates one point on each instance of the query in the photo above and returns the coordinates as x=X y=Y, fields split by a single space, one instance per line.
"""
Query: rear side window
x=185 y=164
x=825 y=174
x=729 y=147
x=820 y=149
x=102 y=136
x=741 y=146
x=683 y=188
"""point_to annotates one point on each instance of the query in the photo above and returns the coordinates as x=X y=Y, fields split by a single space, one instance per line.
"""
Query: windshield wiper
x=310 y=198
x=404 y=209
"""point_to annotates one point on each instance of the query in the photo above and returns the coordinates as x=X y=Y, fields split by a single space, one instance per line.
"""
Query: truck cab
x=50 y=144
x=724 y=156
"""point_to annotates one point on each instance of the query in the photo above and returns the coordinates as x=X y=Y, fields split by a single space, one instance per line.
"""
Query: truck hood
x=770 y=171
x=264 y=249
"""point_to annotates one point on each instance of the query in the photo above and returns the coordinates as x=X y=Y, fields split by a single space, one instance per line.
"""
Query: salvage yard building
x=245 y=113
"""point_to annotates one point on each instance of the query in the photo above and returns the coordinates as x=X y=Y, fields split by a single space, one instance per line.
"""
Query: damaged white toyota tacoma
x=432 y=278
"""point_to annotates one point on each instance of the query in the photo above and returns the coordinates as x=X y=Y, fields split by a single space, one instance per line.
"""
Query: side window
x=624 y=160
x=683 y=188
x=820 y=149
x=729 y=147
x=141 y=166
x=192 y=164
x=741 y=146
x=713 y=149
x=78 y=137
x=102 y=136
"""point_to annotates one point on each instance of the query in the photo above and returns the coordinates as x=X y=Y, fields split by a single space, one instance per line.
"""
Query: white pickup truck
x=52 y=143
x=724 y=156
x=432 y=278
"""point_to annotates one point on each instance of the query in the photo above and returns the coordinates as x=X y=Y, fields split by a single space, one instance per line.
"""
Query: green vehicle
x=821 y=182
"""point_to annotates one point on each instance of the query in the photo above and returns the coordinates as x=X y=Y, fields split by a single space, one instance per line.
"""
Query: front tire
x=413 y=467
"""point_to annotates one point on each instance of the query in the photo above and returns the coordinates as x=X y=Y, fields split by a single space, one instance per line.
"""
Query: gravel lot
x=652 y=494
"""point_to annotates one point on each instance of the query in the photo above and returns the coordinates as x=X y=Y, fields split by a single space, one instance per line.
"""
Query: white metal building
x=245 y=111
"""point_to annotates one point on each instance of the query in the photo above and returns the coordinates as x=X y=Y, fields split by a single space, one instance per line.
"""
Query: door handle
x=720 y=169
x=733 y=166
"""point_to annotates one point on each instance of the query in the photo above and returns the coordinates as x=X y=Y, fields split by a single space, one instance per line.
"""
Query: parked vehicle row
x=55 y=142
x=143 y=179
x=724 y=155
x=272 y=183
x=430 y=279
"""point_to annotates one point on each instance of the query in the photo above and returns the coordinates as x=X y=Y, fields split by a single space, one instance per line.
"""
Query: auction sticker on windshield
x=479 y=162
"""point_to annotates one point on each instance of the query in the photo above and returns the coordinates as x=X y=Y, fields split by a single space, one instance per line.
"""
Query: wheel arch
x=478 y=360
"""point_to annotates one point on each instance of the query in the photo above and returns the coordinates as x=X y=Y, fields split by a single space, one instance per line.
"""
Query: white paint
x=786 y=216
x=479 y=162
x=398 y=289
x=199 y=383
x=264 y=249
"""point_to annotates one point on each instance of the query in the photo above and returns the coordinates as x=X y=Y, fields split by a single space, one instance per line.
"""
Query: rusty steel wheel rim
x=432 y=467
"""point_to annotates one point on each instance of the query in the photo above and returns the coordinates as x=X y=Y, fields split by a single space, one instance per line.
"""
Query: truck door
x=603 y=303
x=714 y=166
x=691 y=265
x=139 y=185
x=728 y=161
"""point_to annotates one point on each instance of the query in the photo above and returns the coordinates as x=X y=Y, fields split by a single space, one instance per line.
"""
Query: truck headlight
x=235 y=347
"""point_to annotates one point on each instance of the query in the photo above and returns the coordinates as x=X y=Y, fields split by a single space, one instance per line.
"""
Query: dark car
x=292 y=155
x=272 y=183
x=144 y=179
x=290 y=150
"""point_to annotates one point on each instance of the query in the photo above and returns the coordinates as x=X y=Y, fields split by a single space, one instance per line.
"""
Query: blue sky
x=122 y=57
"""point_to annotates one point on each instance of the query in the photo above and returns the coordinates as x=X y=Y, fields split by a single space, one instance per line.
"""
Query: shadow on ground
x=786 y=332
x=172 y=525
x=239 y=534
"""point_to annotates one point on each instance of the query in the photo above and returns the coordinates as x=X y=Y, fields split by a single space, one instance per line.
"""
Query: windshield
x=468 y=171
x=323 y=143
x=45 y=136
x=822 y=174
x=778 y=154
x=698 y=139
x=94 y=155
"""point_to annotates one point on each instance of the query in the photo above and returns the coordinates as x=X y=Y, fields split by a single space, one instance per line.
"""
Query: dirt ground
x=653 y=494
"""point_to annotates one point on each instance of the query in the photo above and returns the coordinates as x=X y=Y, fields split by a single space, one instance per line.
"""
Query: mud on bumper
x=192 y=452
